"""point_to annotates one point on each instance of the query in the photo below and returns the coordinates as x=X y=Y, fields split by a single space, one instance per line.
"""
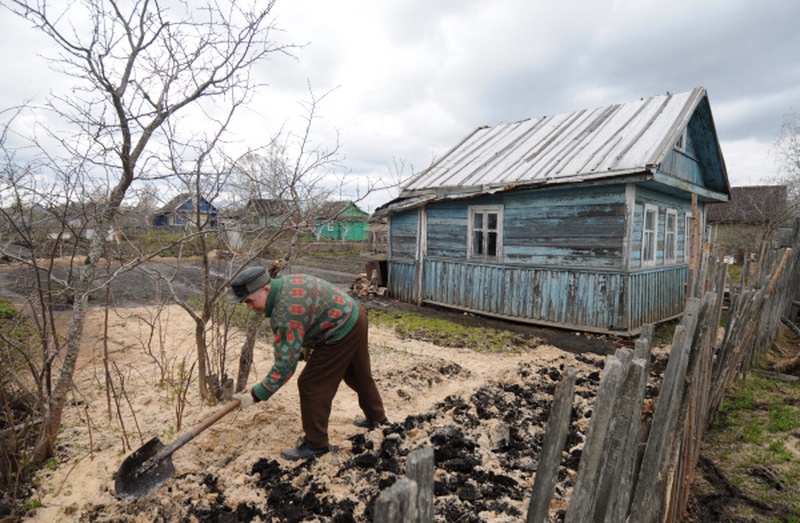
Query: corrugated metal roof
x=607 y=141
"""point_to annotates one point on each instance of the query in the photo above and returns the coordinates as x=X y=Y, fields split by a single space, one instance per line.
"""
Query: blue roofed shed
x=587 y=220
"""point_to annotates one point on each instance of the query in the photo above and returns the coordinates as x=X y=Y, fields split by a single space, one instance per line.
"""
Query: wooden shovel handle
x=197 y=429
x=200 y=427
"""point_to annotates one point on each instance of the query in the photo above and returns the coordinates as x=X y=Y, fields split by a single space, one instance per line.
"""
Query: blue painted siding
x=699 y=162
x=447 y=230
x=401 y=280
x=657 y=294
x=572 y=298
x=577 y=228
x=403 y=235
x=561 y=262
x=663 y=202
x=682 y=165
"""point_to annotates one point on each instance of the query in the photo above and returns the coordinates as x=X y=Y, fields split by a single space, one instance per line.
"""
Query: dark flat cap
x=249 y=281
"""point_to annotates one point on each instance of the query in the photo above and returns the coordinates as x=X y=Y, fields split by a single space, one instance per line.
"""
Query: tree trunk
x=246 y=358
x=54 y=407
x=202 y=357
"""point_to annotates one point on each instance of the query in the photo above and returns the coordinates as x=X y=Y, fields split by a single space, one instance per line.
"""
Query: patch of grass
x=756 y=429
x=7 y=310
x=31 y=505
x=783 y=418
x=174 y=243
x=735 y=274
x=664 y=332
x=779 y=452
x=447 y=333
x=753 y=433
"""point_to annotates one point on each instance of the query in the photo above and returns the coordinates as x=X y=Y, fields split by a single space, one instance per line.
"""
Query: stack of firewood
x=364 y=287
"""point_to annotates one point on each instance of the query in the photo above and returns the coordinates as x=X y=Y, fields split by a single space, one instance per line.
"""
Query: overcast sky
x=411 y=78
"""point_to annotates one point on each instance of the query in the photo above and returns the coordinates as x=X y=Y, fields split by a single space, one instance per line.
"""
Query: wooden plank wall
x=574 y=298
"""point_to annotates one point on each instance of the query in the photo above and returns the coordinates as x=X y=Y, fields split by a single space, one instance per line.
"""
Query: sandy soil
x=224 y=473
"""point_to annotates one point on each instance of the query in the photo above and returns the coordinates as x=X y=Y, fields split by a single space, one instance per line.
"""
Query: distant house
x=266 y=212
x=180 y=211
x=586 y=220
x=739 y=226
x=341 y=220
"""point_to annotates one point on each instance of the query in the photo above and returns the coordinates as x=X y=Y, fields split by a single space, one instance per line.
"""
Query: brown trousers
x=348 y=360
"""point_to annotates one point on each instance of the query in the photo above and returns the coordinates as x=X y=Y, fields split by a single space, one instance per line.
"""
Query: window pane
x=669 y=239
x=485 y=224
x=649 y=219
x=477 y=243
x=491 y=248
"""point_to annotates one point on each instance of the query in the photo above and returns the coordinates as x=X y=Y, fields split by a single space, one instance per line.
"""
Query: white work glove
x=245 y=398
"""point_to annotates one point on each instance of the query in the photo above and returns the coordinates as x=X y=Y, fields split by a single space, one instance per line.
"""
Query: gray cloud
x=413 y=77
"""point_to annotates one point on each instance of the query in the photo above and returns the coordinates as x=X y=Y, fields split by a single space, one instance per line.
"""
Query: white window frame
x=680 y=143
x=688 y=244
x=485 y=232
x=649 y=236
x=671 y=236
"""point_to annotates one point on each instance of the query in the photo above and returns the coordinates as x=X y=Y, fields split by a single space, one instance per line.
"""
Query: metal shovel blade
x=136 y=477
x=151 y=464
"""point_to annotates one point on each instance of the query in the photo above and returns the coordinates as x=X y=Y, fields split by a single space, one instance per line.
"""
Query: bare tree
x=201 y=171
x=136 y=67
x=787 y=149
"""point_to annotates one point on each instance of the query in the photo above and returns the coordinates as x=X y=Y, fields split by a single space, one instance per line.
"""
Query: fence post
x=615 y=489
x=651 y=487
x=692 y=424
x=584 y=493
x=420 y=469
x=398 y=503
x=552 y=447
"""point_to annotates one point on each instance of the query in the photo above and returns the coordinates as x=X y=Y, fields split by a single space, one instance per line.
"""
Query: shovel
x=151 y=464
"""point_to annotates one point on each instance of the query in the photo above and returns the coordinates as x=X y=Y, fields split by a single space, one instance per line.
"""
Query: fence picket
x=420 y=469
x=398 y=503
x=650 y=493
x=552 y=447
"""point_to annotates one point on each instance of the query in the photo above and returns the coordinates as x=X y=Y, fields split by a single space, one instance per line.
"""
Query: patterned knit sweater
x=304 y=311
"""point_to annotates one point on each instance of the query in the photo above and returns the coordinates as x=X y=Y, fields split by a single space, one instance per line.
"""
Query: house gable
x=694 y=162
x=177 y=212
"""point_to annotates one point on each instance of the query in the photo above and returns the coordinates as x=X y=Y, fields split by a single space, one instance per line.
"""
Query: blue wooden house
x=180 y=212
x=586 y=221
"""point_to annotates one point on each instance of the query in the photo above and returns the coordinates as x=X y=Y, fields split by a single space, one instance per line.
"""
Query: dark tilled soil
x=465 y=488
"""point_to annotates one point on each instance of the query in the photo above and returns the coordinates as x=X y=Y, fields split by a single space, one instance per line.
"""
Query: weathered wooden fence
x=631 y=472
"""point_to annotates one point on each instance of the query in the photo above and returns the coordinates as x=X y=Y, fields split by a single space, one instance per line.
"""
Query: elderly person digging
x=310 y=313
